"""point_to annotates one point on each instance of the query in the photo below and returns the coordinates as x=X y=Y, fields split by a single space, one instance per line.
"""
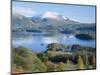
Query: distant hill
x=50 y=22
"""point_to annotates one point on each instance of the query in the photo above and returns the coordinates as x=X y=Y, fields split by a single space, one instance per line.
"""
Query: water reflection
x=39 y=43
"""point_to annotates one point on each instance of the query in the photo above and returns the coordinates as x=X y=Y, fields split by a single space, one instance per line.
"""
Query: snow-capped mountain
x=53 y=18
x=48 y=22
x=53 y=15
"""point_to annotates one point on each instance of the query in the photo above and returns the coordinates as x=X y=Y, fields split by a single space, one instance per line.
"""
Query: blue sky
x=84 y=14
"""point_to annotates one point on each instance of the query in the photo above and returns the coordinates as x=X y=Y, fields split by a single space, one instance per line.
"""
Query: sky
x=80 y=13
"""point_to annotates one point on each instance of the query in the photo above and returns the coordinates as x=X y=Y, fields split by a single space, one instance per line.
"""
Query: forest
x=57 y=57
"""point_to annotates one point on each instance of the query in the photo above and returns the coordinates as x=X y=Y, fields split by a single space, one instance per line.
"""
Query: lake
x=38 y=42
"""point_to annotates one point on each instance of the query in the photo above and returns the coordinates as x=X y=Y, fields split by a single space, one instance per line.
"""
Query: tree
x=26 y=61
x=38 y=65
x=61 y=66
x=80 y=63
x=86 y=60
x=51 y=66
x=94 y=61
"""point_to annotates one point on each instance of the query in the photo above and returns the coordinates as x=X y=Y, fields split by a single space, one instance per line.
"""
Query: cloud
x=28 y=12
x=50 y=14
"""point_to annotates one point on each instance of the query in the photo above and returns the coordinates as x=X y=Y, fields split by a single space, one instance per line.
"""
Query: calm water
x=38 y=42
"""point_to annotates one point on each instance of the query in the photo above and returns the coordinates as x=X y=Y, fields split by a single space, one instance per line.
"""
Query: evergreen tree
x=80 y=63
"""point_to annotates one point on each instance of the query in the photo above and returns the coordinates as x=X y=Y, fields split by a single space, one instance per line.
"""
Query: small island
x=85 y=36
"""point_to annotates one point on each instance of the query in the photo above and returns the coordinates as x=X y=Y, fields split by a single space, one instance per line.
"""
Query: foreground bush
x=24 y=60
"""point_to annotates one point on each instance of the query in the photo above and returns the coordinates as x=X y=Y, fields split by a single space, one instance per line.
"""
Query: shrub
x=38 y=65
x=50 y=66
x=27 y=60
x=61 y=66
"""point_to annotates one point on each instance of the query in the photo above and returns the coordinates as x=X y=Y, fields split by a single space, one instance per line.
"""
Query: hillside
x=60 y=24
x=54 y=58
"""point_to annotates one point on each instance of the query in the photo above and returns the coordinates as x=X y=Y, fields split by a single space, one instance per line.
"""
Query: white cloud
x=50 y=14
x=28 y=12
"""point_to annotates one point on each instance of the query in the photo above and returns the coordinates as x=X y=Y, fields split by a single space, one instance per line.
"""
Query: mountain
x=50 y=22
x=53 y=18
x=53 y=22
x=21 y=23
